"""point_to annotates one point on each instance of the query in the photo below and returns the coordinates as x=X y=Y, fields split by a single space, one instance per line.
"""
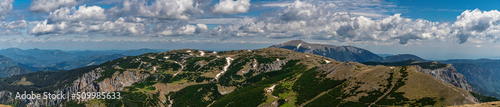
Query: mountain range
x=45 y=58
x=339 y=53
x=17 y=61
x=344 y=53
x=262 y=77
x=482 y=74
x=301 y=74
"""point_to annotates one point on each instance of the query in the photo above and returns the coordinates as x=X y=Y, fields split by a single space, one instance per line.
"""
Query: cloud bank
x=94 y=20
x=314 y=21
x=232 y=7
x=5 y=7
x=306 y=20
x=44 y=6
x=159 y=9
x=12 y=28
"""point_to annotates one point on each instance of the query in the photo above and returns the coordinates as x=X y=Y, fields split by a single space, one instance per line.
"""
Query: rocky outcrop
x=116 y=83
x=6 y=96
x=275 y=65
x=88 y=83
x=450 y=75
x=482 y=74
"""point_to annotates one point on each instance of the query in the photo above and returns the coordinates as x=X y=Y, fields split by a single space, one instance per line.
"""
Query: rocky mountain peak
x=403 y=57
x=339 y=53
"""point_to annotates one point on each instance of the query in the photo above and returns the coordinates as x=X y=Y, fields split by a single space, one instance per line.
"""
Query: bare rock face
x=87 y=80
x=88 y=83
x=84 y=82
x=450 y=75
x=115 y=83
x=6 y=96
x=276 y=65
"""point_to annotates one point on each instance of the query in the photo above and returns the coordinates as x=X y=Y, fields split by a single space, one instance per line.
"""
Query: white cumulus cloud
x=16 y=24
x=305 y=20
x=13 y=27
x=180 y=29
x=478 y=24
x=301 y=11
x=84 y=13
x=232 y=7
x=317 y=21
x=43 y=6
x=69 y=20
x=94 y=20
x=159 y=9
x=5 y=7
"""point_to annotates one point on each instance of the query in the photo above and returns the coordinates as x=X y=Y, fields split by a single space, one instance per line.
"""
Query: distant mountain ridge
x=344 y=53
x=36 y=57
x=9 y=67
x=339 y=53
x=86 y=61
x=402 y=57
x=385 y=55
x=15 y=61
x=50 y=58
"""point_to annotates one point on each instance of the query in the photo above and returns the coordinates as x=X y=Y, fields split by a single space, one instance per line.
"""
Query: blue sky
x=442 y=10
x=432 y=29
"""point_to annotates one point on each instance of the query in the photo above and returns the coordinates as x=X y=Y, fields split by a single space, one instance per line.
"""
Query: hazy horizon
x=223 y=47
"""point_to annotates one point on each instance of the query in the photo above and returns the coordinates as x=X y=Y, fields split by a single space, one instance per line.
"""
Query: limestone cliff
x=450 y=75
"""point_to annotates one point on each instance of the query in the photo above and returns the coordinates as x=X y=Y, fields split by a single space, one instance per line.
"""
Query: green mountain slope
x=262 y=77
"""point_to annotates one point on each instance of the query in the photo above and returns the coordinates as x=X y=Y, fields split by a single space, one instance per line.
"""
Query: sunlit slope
x=262 y=77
